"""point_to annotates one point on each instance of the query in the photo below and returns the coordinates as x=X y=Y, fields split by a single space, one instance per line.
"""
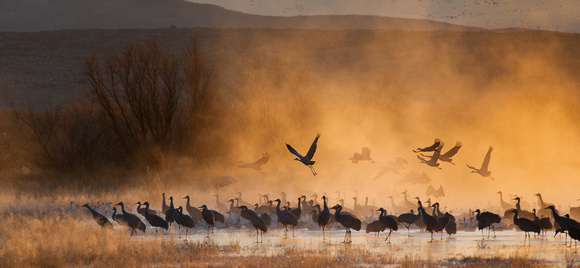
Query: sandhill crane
x=395 y=207
x=573 y=231
x=433 y=160
x=142 y=210
x=544 y=223
x=257 y=165
x=441 y=214
x=194 y=212
x=430 y=148
x=388 y=222
x=171 y=212
x=266 y=218
x=375 y=227
x=184 y=220
x=297 y=212
x=99 y=218
x=504 y=205
x=408 y=218
x=119 y=218
x=364 y=156
x=285 y=218
x=306 y=160
x=486 y=219
x=323 y=216
x=133 y=221
x=523 y=213
x=164 y=206
x=525 y=225
x=451 y=227
x=559 y=222
x=348 y=221
x=247 y=213
x=407 y=203
x=154 y=220
x=446 y=157
x=435 y=193
x=484 y=171
x=542 y=205
x=257 y=222
x=219 y=205
x=431 y=223
x=241 y=202
x=208 y=217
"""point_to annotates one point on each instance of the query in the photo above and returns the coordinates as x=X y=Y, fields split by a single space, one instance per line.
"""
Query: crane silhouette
x=408 y=218
x=525 y=225
x=365 y=155
x=486 y=220
x=484 y=170
x=573 y=231
x=164 y=206
x=306 y=160
x=544 y=223
x=446 y=157
x=99 y=218
x=208 y=217
x=504 y=205
x=375 y=227
x=451 y=227
x=119 y=218
x=257 y=222
x=257 y=165
x=348 y=221
x=133 y=221
x=323 y=216
x=388 y=222
x=142 y=210
x=194 y=212
x=430 y=148
x=431 y=223
x=184 y=220
x=154 y=220
x=433 y=160
x=285 y=218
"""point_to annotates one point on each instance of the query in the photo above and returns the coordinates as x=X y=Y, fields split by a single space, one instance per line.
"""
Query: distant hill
x=47 y=15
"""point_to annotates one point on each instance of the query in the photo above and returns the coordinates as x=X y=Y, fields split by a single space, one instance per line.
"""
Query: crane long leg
x=313 y=171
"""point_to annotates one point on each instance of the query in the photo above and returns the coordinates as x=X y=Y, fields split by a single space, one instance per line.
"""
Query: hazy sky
x=557 y=15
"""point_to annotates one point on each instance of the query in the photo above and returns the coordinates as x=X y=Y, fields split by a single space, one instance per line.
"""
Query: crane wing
x=312 y=149
x=436 y=154
x=293 y=151
x=430 y=148
x=366 y=152
x=263 y=160
x=453 y=150
x=487 y=158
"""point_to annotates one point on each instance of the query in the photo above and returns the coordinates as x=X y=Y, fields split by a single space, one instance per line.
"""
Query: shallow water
x=507 y=243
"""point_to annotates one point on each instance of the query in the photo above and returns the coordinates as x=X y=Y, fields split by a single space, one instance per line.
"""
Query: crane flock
x=263 y=215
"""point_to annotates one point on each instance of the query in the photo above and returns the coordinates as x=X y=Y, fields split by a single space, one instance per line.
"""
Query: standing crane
x=388 y=222
x=257 y=222
x=409 y=218
x=99 y=218
x=154 y=220
x=285 y=218
x=486 y=219
x=306 y=160
x=431 y=223
x=323 y=216
x=348 y=221
x=184 y=220
x=525 y=225
x=208 y=217
x=133 y=221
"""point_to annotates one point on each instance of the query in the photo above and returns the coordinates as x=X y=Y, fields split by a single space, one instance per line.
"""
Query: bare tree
x=149 y=96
